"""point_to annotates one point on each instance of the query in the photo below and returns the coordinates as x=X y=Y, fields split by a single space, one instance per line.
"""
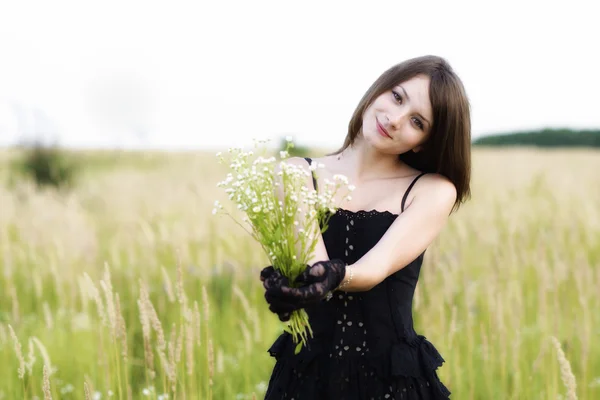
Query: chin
x=375 y=140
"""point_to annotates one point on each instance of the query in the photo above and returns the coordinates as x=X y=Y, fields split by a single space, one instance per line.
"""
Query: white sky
x=217 y=73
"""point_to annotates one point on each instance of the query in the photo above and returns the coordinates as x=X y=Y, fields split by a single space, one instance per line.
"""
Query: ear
x=417 y=149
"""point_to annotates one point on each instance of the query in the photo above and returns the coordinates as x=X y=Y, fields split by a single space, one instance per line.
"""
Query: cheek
x=412 y=135
x=420 y=138
x=368 y=117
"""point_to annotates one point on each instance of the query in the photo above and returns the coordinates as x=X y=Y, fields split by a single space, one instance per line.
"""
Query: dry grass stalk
x=198 y=322
x=30 y=357
x=257 y=330
x=17 y=346
x=15 y=304
x=161 y=346
x=148 y=353
x=211 y=362
x=565 y=371
x=251 y=313
x=90 y=384
x=96 y=296
x=181 y=297
x=247 y=336
x=107 y=279
x=46 y=384
x=172 y=371
x=121 y=328
x=48 y=316
x=153 y=317
x=189 y=349
x=220 y=361
x=206 y=305
x=243 y=300
x=110 y=306
x=84 y=291
x=44 y=353
x=171 y=344
x=86 y=391
x=168 y=285
x=179 y=347
x=166 y=365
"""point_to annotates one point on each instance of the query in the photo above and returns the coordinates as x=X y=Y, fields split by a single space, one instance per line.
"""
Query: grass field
x=128 y=287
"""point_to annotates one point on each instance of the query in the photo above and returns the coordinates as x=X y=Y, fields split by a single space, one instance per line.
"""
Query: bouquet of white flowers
x=283 y=214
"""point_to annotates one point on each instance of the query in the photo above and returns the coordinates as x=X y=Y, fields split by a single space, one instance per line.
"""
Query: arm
x=410 y=234
x=320 y=252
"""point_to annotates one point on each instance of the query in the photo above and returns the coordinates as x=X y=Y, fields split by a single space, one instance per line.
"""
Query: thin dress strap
x=312 y=172
x=410 y=187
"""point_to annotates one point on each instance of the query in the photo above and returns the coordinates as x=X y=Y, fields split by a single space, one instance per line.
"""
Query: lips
x=381 y=129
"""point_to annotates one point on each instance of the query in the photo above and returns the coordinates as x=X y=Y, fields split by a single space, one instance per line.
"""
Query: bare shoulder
x=437 y=184
x=435 y=190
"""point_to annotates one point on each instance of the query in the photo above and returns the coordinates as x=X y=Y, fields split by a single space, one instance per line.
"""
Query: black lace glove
x=272 y=278
x=316 y=282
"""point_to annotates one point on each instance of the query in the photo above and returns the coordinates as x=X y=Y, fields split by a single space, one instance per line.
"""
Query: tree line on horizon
x=543 y=138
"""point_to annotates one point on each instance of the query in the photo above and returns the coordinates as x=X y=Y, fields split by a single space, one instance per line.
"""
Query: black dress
x=363 y=345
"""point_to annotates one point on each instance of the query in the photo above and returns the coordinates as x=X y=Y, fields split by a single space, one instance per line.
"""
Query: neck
x=365 y=163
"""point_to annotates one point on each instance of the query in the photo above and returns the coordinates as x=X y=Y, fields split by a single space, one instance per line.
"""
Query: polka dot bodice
x=351 y=328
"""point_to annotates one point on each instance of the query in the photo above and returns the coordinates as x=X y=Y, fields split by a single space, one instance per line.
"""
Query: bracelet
x=346 y=283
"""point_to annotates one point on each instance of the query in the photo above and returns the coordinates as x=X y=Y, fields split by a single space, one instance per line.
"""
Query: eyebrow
x=419 y=114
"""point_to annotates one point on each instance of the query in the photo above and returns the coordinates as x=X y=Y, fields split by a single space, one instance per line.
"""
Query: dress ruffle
x=284 y=345
x=406 y=367
x=417 y=359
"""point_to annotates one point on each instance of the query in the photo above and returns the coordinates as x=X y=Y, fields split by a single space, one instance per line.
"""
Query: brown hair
x=447 y=150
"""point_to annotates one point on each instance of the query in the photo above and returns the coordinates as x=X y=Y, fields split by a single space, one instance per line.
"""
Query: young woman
x=408 y=152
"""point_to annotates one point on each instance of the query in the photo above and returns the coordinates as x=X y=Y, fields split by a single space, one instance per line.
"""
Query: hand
x=272 y=278
x=317 y=281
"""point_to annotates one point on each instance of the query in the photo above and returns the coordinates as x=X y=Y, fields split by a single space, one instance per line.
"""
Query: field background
x=509 y=293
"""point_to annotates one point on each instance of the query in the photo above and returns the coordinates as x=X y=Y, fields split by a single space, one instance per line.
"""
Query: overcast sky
x=217 y=73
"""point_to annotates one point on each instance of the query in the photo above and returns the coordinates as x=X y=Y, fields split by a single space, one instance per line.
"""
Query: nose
x=397 y=118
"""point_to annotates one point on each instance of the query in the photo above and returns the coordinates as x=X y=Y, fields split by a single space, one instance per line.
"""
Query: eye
x=397 y=96
x=418 y=123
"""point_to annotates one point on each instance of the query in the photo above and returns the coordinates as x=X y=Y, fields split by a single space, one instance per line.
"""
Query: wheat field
x=128 y=287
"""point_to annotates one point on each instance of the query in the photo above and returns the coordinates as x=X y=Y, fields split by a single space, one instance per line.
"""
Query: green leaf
x=297 y=349
x=277 y=233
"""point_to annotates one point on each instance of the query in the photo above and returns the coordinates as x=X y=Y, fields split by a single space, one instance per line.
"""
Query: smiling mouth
x=381 y=129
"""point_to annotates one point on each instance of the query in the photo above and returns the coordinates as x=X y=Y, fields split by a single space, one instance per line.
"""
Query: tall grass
x=129 y=288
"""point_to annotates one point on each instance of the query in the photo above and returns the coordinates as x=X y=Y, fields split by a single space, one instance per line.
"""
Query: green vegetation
x=46 y=165
x=128 y=285
x=543 y=138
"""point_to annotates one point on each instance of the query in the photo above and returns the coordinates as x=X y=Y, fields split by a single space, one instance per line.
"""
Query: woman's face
x=400 y=119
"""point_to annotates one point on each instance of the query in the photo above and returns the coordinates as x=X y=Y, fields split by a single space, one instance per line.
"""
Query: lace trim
x=365 y=213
